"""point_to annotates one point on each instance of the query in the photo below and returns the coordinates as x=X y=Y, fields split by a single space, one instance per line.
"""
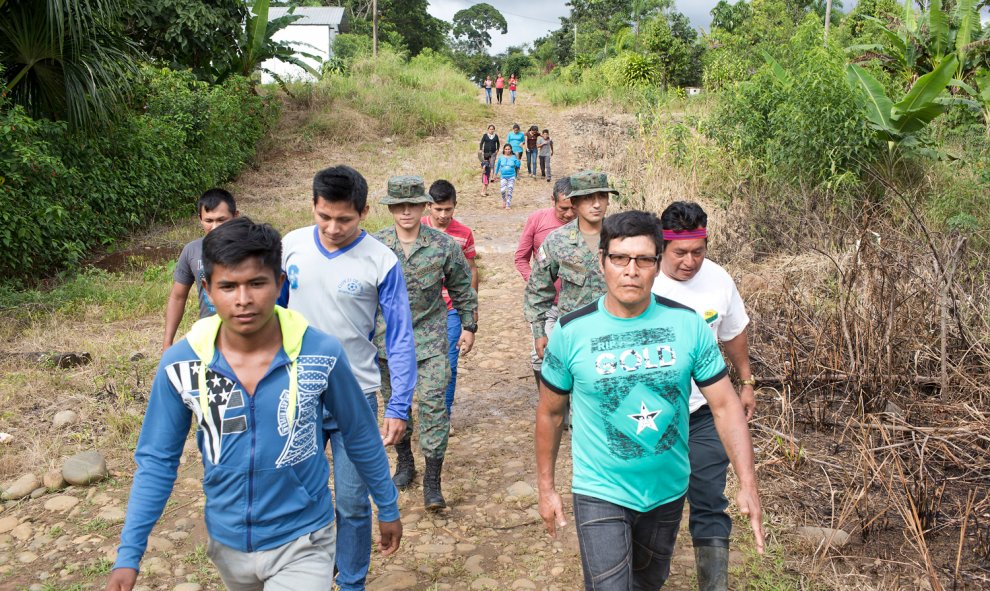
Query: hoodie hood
x=202 y=338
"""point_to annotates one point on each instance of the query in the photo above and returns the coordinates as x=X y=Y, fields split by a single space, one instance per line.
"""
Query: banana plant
x=257 y=45
x=922 y=40
x=978 y=92
x=899 y=124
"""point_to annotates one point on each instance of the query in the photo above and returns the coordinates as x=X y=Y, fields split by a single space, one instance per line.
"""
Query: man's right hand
x=122 y=579
x=540 y=344
x=551 y=509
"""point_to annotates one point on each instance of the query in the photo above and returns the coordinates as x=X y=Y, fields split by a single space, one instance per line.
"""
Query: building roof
x=332 y=16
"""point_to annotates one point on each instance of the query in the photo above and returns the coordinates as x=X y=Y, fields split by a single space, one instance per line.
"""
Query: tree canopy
x=474 y=23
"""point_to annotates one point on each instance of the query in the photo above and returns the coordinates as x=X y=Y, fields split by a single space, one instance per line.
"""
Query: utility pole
x=374 y=28
x=828 y=18
x=575 y=38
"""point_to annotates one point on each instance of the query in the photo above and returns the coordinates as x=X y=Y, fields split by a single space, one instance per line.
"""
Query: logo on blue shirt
x=351 y=287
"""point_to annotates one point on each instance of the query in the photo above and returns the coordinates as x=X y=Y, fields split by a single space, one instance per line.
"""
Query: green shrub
x=64 y=192
x=807 y=127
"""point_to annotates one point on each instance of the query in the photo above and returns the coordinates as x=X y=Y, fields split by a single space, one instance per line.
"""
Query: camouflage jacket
x=435 y=261
x=564 y=255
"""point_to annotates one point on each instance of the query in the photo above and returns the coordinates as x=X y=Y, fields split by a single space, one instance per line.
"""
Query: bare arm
x=730 y=422
x=549 y=427
x=174 y=310
x=737 y=350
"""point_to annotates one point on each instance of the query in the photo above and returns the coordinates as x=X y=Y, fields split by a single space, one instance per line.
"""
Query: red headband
x=685 y=234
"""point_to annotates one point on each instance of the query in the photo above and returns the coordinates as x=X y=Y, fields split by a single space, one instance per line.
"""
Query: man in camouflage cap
x=431 y=260
x=569 y=253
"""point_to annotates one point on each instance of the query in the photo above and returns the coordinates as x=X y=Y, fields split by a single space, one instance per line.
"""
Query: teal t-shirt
x=516 y=140
x=630 y=380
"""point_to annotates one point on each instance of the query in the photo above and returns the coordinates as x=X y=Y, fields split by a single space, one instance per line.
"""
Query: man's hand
x=747 y=395
x=748 y=501
x=391 y=535
x=122 y=579
x=552 y=511
x=540 y=344
x=466 y=343
x=393 y=431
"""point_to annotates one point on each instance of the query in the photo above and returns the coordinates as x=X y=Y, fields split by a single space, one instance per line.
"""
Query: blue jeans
x=353 y=511
x=488 y=96
x=531 y=156
x=623 y=549
x=453 y=335
x=710 y=525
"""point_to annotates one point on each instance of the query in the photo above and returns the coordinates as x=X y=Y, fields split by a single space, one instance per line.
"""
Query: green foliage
x=349 y=46
x=641 y=70
x=401 y=96
x=475 y=22
x=65 y=59
x=195 y=34
x=515 y=61
x=729 y=17
x=256 y=45
x=799 y=118
x=63 y=192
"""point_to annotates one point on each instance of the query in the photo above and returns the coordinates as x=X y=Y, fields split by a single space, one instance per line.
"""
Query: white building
x=313 y=34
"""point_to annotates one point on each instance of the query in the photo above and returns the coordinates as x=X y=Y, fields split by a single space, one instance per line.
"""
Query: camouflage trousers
x=432 y=376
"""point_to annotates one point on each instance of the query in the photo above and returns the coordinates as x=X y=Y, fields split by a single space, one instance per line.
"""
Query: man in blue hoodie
x=256 y=380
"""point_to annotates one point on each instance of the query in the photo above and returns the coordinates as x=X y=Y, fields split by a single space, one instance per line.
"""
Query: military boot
x=405 y=467
x=713 y=568
x=432 y=495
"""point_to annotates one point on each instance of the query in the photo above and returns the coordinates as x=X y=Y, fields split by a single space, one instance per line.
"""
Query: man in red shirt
x=538 y=226
x=441 y=216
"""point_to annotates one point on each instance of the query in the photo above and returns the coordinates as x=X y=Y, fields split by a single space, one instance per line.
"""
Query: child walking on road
x=505 y=169
x=545 y=147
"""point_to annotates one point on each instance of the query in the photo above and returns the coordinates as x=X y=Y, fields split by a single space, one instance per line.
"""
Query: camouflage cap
x=588 y=182
x=406 y=189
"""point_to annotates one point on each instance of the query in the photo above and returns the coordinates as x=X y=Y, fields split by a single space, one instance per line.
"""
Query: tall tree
x=65 y=59
x=474 y=24
x=419 y=29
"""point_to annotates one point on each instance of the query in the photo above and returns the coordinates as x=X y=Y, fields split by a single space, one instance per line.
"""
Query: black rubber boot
x=713 y=568
x=405 y=467
x=432 y=495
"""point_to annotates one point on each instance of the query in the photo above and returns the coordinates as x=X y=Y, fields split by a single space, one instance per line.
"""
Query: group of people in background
x=504 y=161
x=499 y=85
x=299 y=334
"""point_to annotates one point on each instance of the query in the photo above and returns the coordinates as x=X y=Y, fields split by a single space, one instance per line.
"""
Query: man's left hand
x=393 y=431
x=466 y=343
x=747 y=395
x=391 y=535
x=748 y=501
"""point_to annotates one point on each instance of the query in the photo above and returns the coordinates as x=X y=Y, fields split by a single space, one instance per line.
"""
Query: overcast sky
x=531 y=19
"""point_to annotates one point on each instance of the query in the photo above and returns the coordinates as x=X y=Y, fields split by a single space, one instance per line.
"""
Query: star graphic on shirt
x=645 y=418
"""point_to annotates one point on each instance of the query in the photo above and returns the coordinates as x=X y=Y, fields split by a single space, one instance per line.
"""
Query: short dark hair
x=238 y=240
x=683 y=215
x=341 y=183
x=534 y=128
x=443 y=191
x=628 y=224
x=212 y=198
x=546 y=131
x=561 y=187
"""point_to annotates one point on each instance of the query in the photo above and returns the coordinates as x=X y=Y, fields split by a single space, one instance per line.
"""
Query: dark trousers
x=498 y=95
x=622 y=549
x=710 y=525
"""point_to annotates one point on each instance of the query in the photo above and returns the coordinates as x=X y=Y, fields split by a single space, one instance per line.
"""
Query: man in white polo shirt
x=687 y=277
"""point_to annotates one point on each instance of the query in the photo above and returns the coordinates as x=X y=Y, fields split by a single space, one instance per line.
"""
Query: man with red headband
x=686 y=276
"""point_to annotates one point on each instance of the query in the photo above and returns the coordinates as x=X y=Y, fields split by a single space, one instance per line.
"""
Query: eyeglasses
x=643 y=262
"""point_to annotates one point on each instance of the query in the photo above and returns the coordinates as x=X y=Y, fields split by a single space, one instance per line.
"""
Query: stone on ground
x=85 y=468
x=836 y=538
x=394 y=581
x=65 y=418
x=21 y=487
x=61 y=503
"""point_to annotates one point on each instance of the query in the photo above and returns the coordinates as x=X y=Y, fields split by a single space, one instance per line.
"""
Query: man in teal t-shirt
x=627 y=361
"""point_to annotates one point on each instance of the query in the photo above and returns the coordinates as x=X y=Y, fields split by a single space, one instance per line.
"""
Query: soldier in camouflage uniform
x=569 y=253
x=430 y=261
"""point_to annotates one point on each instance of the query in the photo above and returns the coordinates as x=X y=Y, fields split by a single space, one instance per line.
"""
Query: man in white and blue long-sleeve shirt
x=338 y=277
x=256 y=380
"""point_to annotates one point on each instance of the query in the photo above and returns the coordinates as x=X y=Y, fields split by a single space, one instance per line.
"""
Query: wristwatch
x=750 y=381
x=473 y=327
